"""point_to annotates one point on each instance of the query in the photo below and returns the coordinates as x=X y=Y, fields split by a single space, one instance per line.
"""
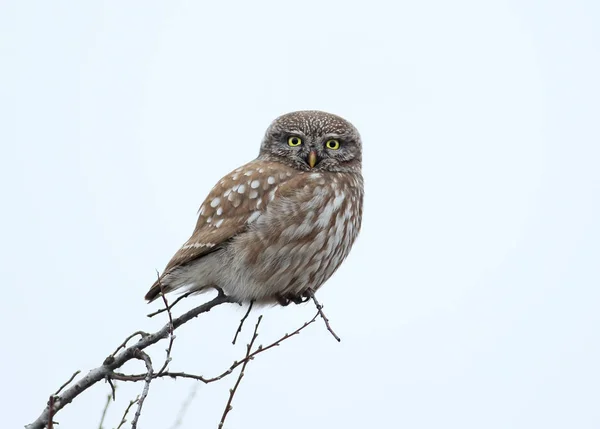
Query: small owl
x=281 y=224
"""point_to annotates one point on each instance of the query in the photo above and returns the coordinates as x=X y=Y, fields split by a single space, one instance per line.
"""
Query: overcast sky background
x=471 y=299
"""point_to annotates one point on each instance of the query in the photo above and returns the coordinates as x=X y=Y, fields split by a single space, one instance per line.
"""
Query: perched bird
x=281 y=224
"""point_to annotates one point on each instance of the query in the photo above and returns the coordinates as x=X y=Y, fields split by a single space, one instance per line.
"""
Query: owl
x=282 y=224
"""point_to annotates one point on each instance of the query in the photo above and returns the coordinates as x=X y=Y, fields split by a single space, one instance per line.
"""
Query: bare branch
x=232 y=391
x=65 y=394
x=143 y=356
x=234 y=365
x=113 y=362
x=239 y=329
x=311 y=293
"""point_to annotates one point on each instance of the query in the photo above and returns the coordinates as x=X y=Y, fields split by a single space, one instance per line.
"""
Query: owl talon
x=283 y=301
x=307 y=295
x=296 y=299
x=301 y=299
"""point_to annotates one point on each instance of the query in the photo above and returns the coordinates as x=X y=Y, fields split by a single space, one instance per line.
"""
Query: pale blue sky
x=471 y=298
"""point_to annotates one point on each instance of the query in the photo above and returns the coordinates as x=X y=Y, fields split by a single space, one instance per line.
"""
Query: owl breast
x=299 y=241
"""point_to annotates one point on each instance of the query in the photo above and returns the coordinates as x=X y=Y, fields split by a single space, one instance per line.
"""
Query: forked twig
x=124 y=353
x=53 y=398
x=311 y=293
x=113 y=362
x=232 y=391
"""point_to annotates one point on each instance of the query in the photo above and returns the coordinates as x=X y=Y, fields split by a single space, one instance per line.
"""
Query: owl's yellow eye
x=332 y=144
x=294 y=141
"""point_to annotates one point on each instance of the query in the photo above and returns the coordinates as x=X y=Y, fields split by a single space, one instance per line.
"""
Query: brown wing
x=236 y=201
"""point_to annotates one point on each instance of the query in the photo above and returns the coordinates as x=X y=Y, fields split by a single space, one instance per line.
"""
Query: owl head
x=311 y=140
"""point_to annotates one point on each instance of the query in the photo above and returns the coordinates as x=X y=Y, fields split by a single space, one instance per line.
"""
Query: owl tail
x=170 y=283
x=154 y=291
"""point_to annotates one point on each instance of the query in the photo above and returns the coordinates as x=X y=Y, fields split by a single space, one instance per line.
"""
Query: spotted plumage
x=282 y=223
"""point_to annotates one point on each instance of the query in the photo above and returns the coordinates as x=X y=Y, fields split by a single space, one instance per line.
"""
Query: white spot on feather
x=241 y=189
x=254 y=184
x=215 y=202
x=198 y=245
x=325 y=216
x=253 y=216
x=337 y=201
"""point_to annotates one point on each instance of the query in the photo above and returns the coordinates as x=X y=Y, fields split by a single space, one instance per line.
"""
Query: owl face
x=313 y=141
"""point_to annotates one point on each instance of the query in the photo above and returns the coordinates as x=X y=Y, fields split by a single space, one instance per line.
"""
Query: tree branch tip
x=66 y=383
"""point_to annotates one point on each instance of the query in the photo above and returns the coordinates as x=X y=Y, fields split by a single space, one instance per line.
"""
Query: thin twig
x=109 y=365
x=113 y=388
x=162 y=310
x=108 y=398
x=171 y=336
x=232 y=391
x=126 y=353
x=66 y=383
x=311 y=293
x=234 y=365
x=124 y=343
x=124 y=418
x=143 y=356
x=239 y=329
x=51 y=412
x=185 y=406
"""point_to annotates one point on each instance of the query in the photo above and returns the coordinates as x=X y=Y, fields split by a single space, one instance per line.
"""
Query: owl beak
x=312 y=158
